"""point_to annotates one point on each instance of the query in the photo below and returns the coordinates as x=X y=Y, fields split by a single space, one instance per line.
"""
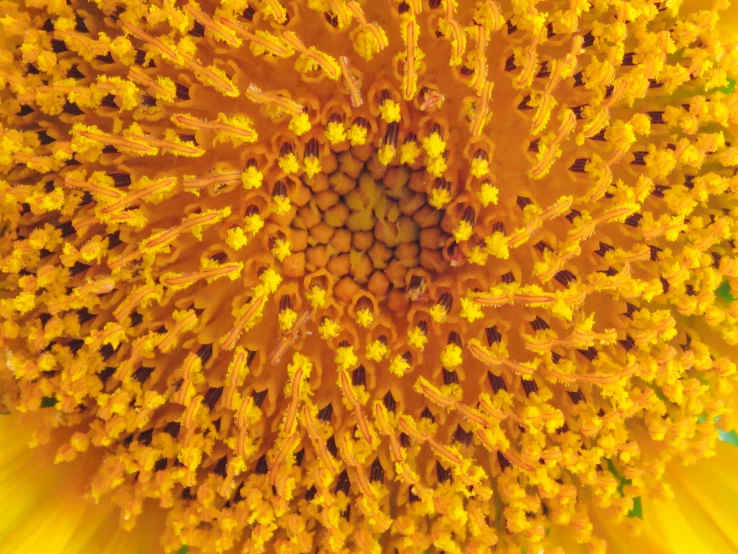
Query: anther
x=523 y=201
x=462 y=436
x=259 y=397
x=83 y=316
x=312 y=148
x=107 y=351
x=219 y=257
x=78 y=268
x=441 y=184
x=633 y=220
x=410 y=137
x=330 y=445
x=416 y=283
x=71 y=108
x=639 y=158
x=507 y=278
x=325 y=413
x=140 y=57
x=716 y=258
x=172 y=429
x=198 y=30
x=496 y=382
x=361 y=122
x=221 y=467
x=539 y=324
x=565 y=277
x=589 y=353
x=450 y=377
x=280 y=189
x=454 y=338
x=604 y=249
x=576 y=396
x=503 y=461
x=529 y=386
x=212 y=396
x=427 y=414
x=25 y=110
x=493 y=336
x=205 y=352
x=445 y=301
x=389 y=402
x=143 y=373
x=261 y=468
x=543 y=246
x=469 y=216
x=544 y=70
x=628 y=343
x=58 y=46
x=358 y=377
x=145 y=437
x=299 y=457
x=376 y=473
x=442 y=473
x=510 y=63
x=391 y=135
x=286 y=149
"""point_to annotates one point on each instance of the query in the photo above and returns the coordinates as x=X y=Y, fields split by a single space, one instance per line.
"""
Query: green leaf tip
x=637 y=510
x=723 y=291
x=48 y=402
x=729 y=88
x=731 y=437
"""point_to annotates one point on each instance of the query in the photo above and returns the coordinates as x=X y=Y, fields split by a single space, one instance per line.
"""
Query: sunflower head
x=344 y=276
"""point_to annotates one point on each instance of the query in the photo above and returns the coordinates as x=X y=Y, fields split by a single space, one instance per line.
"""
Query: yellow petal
x=44 y=509
x=701 y=518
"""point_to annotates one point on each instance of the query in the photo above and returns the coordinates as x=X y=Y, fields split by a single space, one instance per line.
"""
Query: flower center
x=370 y=226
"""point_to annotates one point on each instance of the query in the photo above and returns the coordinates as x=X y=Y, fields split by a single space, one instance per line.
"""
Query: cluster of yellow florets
x=346 y=276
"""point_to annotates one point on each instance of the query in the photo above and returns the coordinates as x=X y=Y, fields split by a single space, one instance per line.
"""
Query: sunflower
x=340 y=275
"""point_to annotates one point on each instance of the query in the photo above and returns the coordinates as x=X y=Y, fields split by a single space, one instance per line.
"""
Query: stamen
x=352 y=83
x=410 y=33
x=482 y=113
x=238 y=126
x=262 y=39
x=254 y=94
x=243 y=322
x=211 y=25
x=325 y=62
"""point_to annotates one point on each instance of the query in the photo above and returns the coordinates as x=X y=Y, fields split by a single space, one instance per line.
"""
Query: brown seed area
x=367 y=224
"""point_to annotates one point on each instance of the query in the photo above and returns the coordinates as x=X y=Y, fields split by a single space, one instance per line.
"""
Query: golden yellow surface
x=346 y=276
